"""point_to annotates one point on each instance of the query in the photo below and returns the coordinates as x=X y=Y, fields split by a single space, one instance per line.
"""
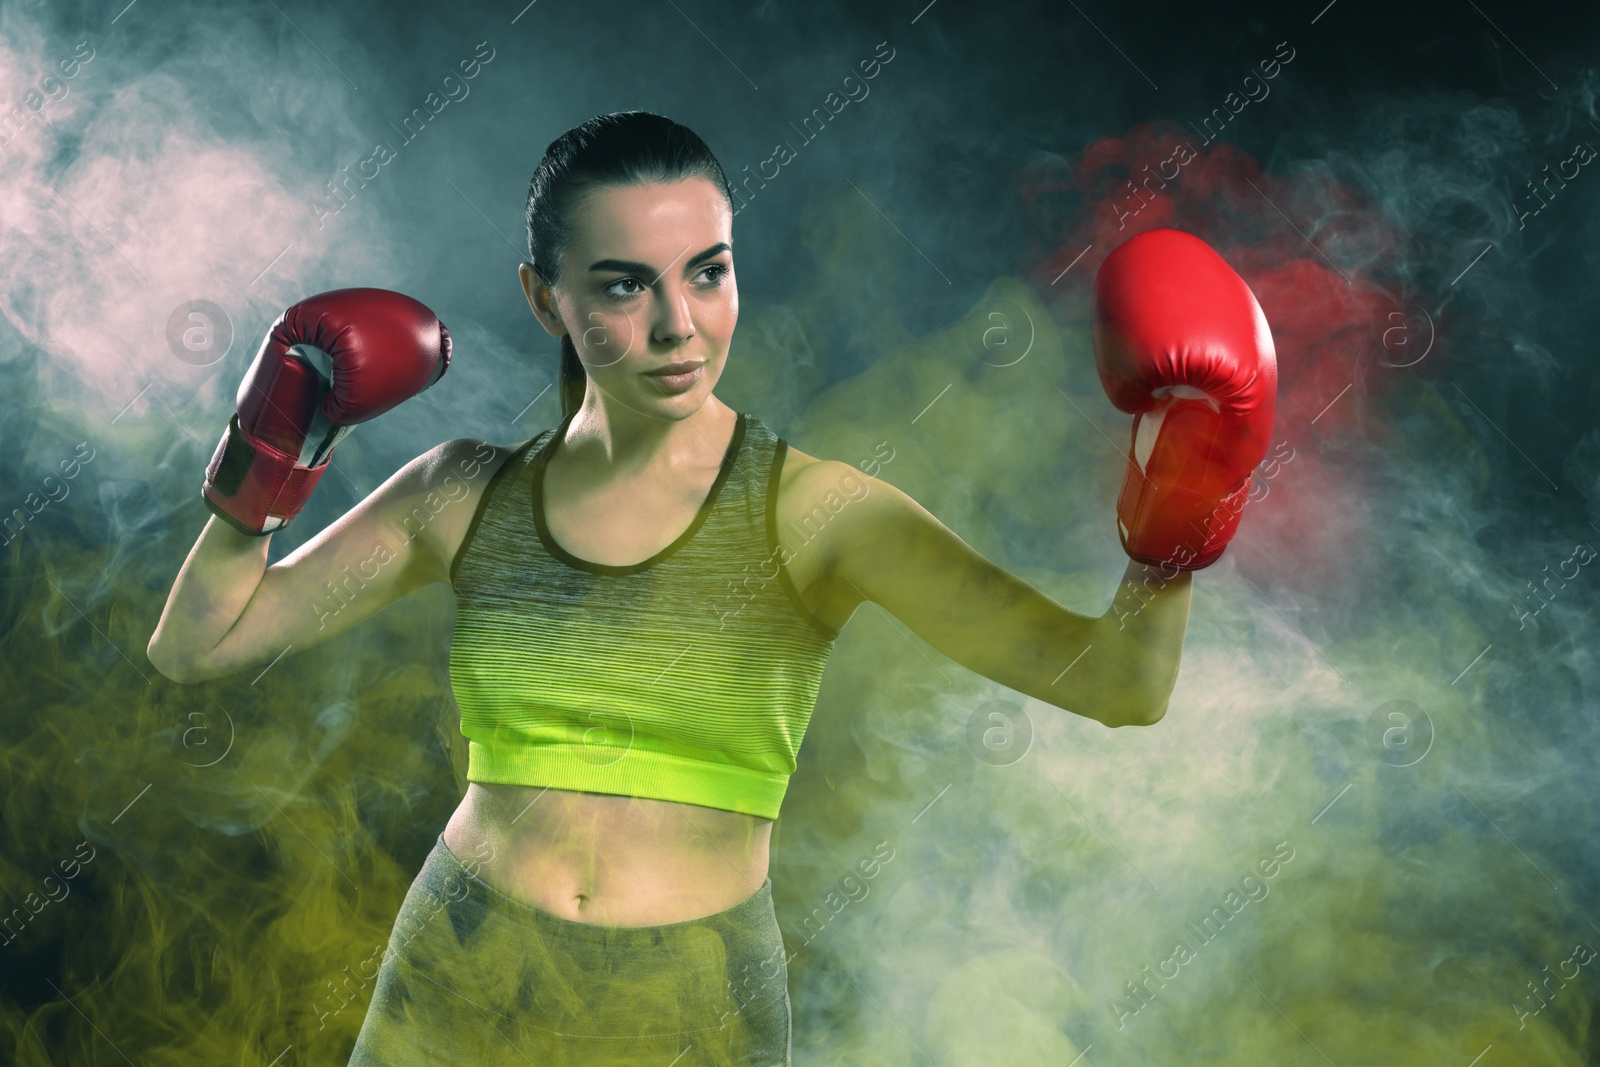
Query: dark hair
x=622 y=148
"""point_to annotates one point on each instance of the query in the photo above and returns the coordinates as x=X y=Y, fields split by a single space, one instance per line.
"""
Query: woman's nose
x=673 y=321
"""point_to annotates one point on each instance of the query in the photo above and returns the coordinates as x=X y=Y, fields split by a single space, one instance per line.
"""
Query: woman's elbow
x=1145 y=712
x=172 y=666
x=1146 y=717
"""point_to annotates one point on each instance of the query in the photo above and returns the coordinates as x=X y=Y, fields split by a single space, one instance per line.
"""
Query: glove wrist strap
x=254 y=487
x=1172 y=525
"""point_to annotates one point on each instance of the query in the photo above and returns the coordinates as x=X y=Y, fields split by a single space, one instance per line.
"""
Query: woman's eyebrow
x=625 y=266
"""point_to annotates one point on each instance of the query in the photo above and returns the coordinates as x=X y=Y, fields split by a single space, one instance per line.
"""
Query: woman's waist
x=717 y=776
x=609 y=859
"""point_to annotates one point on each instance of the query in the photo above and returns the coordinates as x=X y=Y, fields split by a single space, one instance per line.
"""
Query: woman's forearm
x=210 y=593
x=1143 y=628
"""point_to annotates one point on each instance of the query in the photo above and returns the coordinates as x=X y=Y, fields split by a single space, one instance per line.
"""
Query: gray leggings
x=471 y=976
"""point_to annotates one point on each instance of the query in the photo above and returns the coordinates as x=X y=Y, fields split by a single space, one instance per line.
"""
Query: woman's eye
x=717 y=271
x=611 y=289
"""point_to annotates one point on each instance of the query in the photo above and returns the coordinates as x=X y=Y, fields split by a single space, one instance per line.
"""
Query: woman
x=638 y=645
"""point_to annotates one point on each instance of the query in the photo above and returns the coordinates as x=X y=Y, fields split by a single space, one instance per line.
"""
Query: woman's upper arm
x=401 y=537
x=887 y=548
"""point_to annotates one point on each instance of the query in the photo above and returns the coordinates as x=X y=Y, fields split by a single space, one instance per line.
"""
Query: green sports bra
x=690 y=676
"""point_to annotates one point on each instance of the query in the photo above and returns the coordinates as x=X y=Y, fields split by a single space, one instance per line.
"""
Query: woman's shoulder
x=439 y=492
x=805 y=482
x=453 y=467
x=796 y=460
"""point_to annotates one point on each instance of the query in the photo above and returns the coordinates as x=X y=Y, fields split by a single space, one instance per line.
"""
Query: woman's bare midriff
x=607 y=859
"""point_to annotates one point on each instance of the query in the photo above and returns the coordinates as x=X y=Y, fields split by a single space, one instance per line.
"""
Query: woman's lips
x=677 y=383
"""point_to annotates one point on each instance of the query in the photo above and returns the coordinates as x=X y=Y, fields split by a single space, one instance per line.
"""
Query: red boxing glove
x=1183 y=346
x=327 y=363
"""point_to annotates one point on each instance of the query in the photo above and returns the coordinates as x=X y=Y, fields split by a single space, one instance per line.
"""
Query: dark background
x=1402 y=138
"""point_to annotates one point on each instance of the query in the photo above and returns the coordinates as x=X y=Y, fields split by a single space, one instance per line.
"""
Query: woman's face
x=646 y=281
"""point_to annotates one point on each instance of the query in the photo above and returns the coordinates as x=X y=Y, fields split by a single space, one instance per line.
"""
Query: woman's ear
x=540 y=299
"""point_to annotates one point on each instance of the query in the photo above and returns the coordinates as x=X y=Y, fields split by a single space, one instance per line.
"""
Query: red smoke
x=1334 y=327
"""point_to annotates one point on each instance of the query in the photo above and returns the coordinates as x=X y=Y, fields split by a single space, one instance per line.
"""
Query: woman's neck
x=620 y=443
